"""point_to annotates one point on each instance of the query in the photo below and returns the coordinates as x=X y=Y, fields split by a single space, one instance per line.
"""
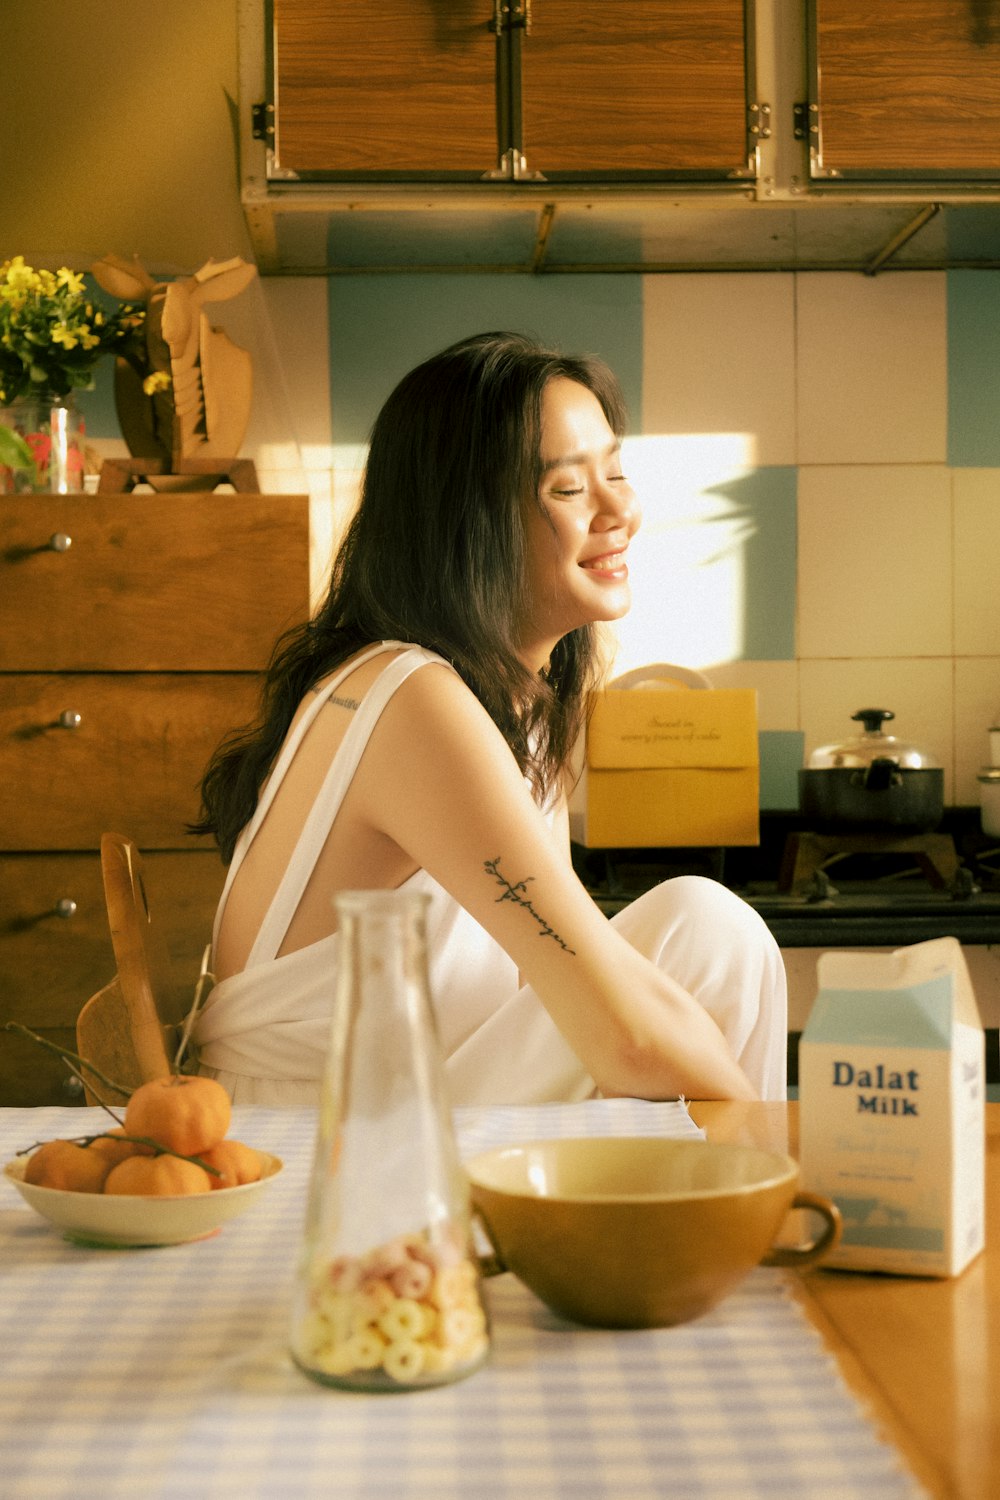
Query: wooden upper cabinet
x=905 y=89
x=469 y=89
x=643 y=87
x=387 y=88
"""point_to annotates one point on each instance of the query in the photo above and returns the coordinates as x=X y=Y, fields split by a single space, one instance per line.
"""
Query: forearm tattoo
x=517 y=893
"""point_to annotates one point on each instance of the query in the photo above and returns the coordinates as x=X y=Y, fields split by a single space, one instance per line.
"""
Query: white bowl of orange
x=168 y=1176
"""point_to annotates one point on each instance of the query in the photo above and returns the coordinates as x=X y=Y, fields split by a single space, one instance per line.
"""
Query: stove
x=823 y=891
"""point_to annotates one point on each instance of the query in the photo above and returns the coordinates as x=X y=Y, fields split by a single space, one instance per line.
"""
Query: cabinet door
x=146 y=583
x=639 y=88
x=133 y=764
x=905 y=89
x=390 y=88
x=50 y=964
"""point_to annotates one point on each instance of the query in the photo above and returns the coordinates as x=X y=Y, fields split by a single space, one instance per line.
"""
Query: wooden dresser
x=133 y=629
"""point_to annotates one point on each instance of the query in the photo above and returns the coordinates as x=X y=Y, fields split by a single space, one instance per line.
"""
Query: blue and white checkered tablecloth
x=165 y=1374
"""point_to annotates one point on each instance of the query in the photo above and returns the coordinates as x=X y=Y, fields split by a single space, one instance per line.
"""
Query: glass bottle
x=52 y=428
x=387 y=1293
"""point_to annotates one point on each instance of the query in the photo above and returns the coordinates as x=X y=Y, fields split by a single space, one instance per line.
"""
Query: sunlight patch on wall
x=687 y=562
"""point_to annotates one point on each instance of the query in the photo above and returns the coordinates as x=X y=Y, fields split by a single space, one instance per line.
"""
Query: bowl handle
x=806 y=1255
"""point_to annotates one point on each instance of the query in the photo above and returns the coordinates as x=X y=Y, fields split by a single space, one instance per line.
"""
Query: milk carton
x=892 y=1087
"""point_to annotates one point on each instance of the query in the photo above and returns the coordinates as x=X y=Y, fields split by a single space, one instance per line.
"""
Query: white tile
x=977 y=709
x=871 y=367
x=776 y=684
x=874 y=564
x=918 y=692
x=686 y=562
x=719 y=358
x=977 y=553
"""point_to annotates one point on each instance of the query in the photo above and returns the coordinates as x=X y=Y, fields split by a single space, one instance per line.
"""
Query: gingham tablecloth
x=165 y=1373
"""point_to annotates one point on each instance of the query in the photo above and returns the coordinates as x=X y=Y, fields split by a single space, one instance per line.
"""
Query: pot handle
x=881 y=774
x=807 y=1255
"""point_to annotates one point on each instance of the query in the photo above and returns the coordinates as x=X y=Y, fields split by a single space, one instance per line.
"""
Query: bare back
x=354 y=854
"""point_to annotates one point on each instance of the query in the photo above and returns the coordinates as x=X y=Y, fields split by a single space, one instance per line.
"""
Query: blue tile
x=782 y=755
x=381 y=326
x=974 y=369
x=973 y=231
x=97 y=407
x=761 y=508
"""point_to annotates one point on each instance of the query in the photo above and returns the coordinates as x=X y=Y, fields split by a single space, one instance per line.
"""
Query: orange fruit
x=238 y=1163
x=157 y=1177
x=114 y=1150
x=64 y=1164
x=188 y=1114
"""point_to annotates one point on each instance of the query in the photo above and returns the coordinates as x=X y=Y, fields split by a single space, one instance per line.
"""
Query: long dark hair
x=435 y=555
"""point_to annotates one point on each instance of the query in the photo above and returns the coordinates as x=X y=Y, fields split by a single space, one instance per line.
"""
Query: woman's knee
x=701 y=903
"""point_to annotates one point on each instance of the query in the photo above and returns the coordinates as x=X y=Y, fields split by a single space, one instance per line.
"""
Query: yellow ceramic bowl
x=638 y=1232
x=118 y=1220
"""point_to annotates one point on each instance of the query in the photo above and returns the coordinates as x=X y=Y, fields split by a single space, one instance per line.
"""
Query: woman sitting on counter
x=417 y=734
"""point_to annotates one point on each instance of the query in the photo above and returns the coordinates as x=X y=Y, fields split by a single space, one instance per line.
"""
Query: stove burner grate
x=810 y=858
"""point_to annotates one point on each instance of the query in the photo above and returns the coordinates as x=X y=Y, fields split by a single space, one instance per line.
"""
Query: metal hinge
x=512 y=16
x=808 y=127
x=759 y=121
x=513 y=168
x=806 y=118
x=262 y=123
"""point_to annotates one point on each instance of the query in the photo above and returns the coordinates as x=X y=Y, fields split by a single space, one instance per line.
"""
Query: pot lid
x=872 y=744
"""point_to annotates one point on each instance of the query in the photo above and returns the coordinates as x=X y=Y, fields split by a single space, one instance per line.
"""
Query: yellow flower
x=19 y=276
x=72 y=279
x=158 y=381
x=87 y=339
x=64 y=336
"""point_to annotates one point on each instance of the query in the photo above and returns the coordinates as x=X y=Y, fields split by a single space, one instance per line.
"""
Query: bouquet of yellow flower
x=51 y=333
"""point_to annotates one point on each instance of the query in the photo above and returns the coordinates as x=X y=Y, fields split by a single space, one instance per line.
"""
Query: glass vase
x=52 y=429
x=387 y=1293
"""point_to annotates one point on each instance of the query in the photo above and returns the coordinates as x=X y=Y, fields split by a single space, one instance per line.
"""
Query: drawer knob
x=71 y=1090
x=65 y=907
x=60 y=542
x=69 y=719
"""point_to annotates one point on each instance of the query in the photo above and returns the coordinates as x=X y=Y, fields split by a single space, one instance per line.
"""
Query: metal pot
x=989 y=799
x=873 y=781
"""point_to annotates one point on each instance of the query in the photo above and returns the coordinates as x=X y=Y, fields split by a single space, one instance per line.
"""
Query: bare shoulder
x=435 y=701
x=435 y=736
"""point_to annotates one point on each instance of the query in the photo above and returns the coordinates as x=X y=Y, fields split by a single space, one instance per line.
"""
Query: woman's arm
x=438 y=780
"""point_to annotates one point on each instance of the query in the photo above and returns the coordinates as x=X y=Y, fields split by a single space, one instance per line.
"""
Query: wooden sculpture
x=183 y=400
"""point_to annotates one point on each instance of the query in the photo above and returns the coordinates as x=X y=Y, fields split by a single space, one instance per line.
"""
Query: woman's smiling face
x=578 y=534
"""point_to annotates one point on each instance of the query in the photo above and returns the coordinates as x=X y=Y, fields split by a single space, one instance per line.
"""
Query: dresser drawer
x=150 y=583
x=133 y=764
x=51 y=964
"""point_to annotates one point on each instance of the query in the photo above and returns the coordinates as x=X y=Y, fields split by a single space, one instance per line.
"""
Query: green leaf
x=14 y=451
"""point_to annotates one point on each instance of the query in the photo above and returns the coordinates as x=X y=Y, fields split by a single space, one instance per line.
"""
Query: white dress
x=264 y=1032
